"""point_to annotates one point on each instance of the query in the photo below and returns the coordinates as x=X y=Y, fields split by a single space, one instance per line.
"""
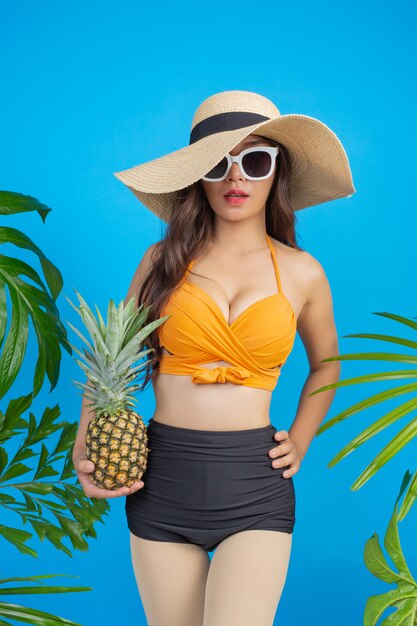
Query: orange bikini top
x=257 y=343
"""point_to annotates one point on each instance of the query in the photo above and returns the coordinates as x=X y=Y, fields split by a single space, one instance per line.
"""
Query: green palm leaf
x=28 y=300
x=377 y=398
x=406 y=408
x=376 y=427
x=24 y=590
x=396 y=444
x=33 y=616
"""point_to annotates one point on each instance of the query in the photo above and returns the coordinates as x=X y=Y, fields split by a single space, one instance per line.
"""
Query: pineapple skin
x=117 y=445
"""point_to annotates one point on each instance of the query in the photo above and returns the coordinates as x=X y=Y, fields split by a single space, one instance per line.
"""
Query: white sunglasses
x=255 y=163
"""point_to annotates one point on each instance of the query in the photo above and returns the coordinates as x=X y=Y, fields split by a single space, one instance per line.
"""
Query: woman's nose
x=235 y=172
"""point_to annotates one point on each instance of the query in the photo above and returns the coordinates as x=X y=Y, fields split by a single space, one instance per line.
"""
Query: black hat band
x=231 y=120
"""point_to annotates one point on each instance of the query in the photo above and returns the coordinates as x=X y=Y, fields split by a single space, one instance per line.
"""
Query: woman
x=234 y=287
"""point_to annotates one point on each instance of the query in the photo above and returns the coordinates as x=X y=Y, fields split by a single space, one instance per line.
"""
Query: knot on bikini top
x=221 y=374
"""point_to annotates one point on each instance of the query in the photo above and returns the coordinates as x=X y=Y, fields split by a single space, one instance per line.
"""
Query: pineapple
x=116 y=438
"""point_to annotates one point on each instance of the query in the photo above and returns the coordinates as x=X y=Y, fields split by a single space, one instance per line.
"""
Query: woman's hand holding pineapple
x=83 y=467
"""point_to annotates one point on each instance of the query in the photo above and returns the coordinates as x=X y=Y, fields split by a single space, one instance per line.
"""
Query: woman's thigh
x=171 y=579
x=246 y=578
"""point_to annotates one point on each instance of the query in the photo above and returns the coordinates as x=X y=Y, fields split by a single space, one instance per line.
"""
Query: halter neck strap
x=274 y=259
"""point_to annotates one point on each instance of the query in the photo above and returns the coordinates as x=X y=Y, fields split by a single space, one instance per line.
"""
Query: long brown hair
x=188 y=233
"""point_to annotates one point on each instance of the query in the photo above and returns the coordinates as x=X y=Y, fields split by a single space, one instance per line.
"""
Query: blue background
x=90 y=88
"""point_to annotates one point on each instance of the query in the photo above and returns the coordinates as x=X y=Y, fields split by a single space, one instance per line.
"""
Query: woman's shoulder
x=302 y=258
x=301 y=266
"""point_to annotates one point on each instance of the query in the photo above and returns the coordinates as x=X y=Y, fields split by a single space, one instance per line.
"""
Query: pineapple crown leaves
x=124 y=327
x=115 y=348
x=90 y=322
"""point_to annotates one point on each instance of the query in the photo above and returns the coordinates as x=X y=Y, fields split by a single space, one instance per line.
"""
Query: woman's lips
x=234 y=200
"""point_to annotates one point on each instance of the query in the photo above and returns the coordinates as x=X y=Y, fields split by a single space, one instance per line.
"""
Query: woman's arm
x=317 y=330
x=140 y=274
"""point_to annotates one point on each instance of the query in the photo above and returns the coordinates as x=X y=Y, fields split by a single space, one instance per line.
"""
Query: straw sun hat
x=320 y=168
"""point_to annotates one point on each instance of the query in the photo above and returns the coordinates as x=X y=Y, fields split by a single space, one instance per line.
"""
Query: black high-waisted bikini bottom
x=202 y=486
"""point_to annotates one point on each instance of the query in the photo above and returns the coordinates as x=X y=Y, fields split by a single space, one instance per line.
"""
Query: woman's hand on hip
x=285 y=453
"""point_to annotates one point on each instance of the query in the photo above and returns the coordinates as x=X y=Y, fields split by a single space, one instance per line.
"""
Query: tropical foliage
x=404 y=597
x=407 y=407
x=40 y=494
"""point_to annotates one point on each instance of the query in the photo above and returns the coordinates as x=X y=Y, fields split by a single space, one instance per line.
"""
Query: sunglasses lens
x=218 y=170
x=257 y=163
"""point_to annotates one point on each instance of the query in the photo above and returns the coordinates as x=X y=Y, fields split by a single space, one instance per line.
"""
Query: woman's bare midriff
x=213 y=406
x=217 y=406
